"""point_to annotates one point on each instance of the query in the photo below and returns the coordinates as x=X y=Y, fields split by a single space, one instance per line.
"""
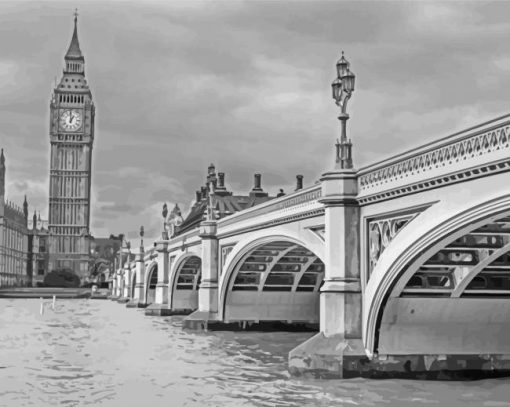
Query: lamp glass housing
x=348 y=81
x=342 y=67
x=336 y=88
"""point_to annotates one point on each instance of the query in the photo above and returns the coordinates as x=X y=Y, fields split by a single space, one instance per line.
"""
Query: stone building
x=13 y=238
x=71 y=138
x=38 y=256
x=104 y=257
x=221 y=202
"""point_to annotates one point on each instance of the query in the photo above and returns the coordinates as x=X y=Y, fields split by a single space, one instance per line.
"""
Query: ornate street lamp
x=164 y=213
x=141 y=237
x=342 y=88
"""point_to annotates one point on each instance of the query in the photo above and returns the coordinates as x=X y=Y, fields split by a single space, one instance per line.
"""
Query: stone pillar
x=120 y=283
x=125 y=281
x=114 y=285
x=163 y=272
x=161 y=303
x=139 y=299
x=337 y=351
x=208 y=292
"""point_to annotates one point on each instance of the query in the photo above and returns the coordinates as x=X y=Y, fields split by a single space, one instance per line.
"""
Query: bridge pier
x=208 y=291
x=160 y=307
x=337 y=350
x=126 y=283
x=138 y=300
x=119 y=286
x=115 y=291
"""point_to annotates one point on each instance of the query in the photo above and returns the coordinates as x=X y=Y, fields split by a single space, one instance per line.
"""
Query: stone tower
x=2 y=174
x=71 y=138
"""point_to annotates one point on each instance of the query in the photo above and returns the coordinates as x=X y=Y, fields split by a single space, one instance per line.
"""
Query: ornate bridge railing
x=300 y=204
x=474 y=152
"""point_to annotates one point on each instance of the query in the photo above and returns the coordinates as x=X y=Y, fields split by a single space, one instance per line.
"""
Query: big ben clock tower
x=71 y=138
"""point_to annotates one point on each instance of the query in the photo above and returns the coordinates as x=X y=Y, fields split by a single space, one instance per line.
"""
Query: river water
x=99 y=353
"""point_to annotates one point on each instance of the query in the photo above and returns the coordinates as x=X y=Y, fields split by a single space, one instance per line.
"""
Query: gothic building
x=38 y=256
x=13 y=237
x=215 y=198
x=71 y=138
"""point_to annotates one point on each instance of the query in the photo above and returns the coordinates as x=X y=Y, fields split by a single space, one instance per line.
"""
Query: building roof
x=223 y=202
x=74 y=51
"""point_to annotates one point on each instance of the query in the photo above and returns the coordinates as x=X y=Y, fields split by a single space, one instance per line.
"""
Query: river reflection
x=99 y=353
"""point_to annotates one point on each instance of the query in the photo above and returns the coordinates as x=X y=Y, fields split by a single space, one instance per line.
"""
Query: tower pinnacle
x=2 y=173
x=74 y=51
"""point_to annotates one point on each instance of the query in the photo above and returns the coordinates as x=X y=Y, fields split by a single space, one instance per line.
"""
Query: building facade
x=38 y=256
x=13 y=238
x=71 y=138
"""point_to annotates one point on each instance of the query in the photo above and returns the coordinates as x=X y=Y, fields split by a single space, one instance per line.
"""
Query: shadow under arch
x=272 y=278
x=151 y=280
x=185 y=282
x=398 y=275
x=133 y=283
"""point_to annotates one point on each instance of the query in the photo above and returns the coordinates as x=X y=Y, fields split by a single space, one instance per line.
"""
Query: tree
x=62 y=278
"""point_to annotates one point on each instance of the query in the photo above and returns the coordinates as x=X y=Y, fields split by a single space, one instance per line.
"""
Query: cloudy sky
x=244 y=85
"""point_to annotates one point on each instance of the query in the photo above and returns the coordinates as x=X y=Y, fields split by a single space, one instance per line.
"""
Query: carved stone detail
x=380 y=234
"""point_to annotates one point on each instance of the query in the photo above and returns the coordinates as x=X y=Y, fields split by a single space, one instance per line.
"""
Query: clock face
x=70 y=120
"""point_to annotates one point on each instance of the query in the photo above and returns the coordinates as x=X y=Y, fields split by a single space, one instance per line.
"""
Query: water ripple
x=100 y=353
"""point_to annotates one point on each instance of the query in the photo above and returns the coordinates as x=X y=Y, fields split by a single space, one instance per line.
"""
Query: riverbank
x=44 y=292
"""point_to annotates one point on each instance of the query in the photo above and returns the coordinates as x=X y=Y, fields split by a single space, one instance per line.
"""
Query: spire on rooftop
x=74 y=51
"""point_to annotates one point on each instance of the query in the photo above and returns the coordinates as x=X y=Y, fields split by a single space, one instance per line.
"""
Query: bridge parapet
x=300 y=204
x=472 y=153
x=191 y=237
x=150 y=254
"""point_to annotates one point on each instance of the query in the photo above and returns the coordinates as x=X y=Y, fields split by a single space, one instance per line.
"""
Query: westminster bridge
x=403 y=265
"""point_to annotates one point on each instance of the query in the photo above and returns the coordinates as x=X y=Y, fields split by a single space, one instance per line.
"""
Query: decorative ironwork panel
x=380 y=234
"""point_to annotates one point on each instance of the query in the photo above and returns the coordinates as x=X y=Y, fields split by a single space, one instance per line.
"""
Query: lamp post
x=141 y=237
x=164 y=213
x=342 y=88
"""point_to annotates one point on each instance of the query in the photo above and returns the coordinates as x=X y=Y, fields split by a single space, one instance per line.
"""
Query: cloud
x=245 y=85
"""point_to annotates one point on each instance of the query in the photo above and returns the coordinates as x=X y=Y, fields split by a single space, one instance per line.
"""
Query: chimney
x=198 y=196
x=257 y=189
x=257 y=182
x=299 y=182
x=203 y=191
x=221 y=180
x=221 y=190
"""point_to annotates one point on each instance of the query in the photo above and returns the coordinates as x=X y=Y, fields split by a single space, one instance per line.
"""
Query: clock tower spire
x=71 y=138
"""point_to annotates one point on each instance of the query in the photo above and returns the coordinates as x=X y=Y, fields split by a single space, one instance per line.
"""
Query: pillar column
x=163 y=272
x=139 y=299
x=161 y=304
x=208 y=291
x=341 y=292
x=114 y=285
x=119 y=286
x=126 y=281
x=337 y=351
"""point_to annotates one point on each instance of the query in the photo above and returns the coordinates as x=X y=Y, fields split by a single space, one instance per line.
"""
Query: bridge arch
x=271 y=278
x=440 y=274
x=151 y=280
x=184 y=281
